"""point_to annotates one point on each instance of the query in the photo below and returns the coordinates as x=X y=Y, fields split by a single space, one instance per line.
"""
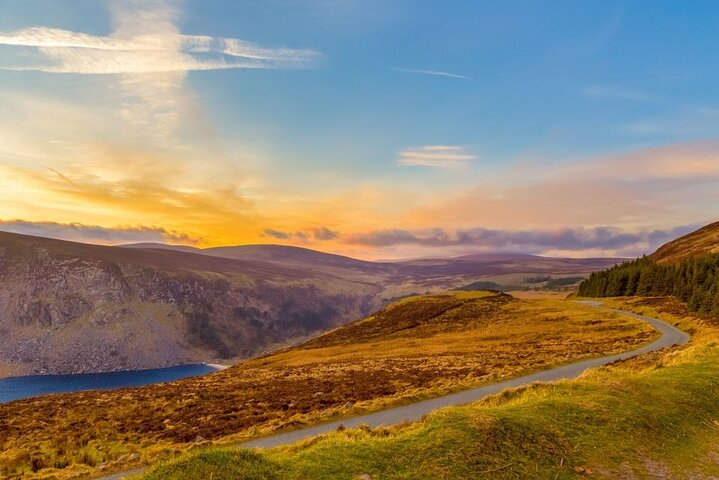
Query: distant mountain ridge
x=69 y=307
x=269 y=253
x=492 y=262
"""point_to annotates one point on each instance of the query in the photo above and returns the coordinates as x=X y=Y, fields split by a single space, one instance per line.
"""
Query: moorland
x=415 y=348
x=653 y=416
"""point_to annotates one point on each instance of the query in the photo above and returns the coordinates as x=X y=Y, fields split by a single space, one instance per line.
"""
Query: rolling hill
x=282 y=254
x=415 y=348
x=702 y=242
x=68 y=307
x=655 y=416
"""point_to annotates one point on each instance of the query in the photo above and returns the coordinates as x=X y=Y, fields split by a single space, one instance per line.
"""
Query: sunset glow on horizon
x=376 y=130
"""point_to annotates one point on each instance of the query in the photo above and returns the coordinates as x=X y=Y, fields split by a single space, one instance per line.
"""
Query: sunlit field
x=662 y=406
x=416 y=348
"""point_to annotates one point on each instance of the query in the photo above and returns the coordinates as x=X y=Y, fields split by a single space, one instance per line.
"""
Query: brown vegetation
x=702 y=242
x=65 y=306
x=415 y=348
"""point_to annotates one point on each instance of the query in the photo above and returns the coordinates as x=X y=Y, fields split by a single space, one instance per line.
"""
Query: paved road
x=670 y=336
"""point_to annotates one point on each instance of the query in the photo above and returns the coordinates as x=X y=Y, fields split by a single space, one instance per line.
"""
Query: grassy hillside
x=655 y=416
x=416 y=348
x=696 y=244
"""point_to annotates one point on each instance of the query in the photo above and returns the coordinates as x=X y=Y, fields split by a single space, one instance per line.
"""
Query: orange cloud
x=659 y=186
x=674 y=162
x=80 y=180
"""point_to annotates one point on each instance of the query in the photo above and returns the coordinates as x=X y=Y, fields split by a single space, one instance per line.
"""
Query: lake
x=15 y=388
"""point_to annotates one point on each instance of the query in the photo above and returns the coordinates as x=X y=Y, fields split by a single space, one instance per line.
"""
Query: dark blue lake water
x=15 y=388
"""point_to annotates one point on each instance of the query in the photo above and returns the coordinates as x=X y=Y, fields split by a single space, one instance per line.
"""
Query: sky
x=374 y=128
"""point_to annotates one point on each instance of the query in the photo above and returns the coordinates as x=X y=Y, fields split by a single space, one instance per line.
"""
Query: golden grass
x=539 y=294
x=416 y=348
x=653 y=416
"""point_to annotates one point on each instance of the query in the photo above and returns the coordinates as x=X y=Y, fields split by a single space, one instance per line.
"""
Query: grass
x=695 y=244
x=416 y=348
x=655 y=416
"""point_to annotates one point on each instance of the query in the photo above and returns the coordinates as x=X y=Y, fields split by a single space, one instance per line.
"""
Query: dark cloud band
x=530 y=241
x=94 y=233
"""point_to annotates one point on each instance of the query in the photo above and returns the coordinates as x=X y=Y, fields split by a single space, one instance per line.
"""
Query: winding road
x=670 y=336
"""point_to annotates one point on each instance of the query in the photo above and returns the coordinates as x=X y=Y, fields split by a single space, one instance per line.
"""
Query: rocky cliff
x=66 y=308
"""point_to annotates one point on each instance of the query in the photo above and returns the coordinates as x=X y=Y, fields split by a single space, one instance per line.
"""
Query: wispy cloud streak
x=66 y=51
x=436 y=73
x=149 y=57
x=94 y=233
x=440 y=156
x=533 y=241
x=321 y=234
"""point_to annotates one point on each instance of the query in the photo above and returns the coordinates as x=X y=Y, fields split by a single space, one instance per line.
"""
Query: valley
x=77 y=308
x=416 y=348
x=359 y=240
x=653 y=416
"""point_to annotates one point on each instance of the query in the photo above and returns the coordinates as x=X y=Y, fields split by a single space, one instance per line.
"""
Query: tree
x=694 y=281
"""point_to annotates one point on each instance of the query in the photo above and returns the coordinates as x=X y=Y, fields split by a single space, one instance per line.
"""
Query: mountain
x=490 y=262
x=162 y=246
x=69 y=307
x=280 y=254
x=506 y=263
x=696 y=244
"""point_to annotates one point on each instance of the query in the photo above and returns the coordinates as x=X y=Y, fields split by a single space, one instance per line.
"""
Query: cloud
x=577 y=239
x=278 y=234
x=435 y=156
x=324 y=233
x=436 y=73
x=303 y=236
x=146 y=44
x=611 y=92
x=95 y=234
x=696 y=161
x=148 y=56
x=647 y=188
x=144 y=195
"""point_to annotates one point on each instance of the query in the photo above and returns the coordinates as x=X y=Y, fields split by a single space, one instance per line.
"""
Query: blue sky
x=571 y=80
x=396 y=113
